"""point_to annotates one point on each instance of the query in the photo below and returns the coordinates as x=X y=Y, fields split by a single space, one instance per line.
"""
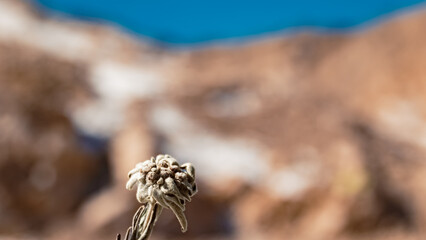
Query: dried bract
x=162 y=183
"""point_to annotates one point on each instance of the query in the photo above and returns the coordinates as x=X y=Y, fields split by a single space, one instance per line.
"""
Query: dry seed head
x=162 y=181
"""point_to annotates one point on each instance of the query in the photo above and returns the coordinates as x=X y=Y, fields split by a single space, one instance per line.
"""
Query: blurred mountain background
x=305 y=120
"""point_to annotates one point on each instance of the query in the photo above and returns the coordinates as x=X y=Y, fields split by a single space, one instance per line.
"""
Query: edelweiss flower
x=162 y=183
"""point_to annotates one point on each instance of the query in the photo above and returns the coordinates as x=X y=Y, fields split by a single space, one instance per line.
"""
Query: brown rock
x=45 y=172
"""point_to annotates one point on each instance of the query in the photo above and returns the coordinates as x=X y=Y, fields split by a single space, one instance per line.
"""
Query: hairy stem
x=148 y=218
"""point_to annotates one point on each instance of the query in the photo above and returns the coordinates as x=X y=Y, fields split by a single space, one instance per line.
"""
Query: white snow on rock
x=216 y=157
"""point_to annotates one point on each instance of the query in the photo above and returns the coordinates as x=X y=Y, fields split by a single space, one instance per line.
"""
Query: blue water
x=197 y=21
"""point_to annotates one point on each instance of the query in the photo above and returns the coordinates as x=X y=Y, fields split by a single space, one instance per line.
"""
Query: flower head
x=162 y=181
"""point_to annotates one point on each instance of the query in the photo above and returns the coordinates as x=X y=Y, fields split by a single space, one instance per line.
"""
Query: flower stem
x=143 y=222
x=147 y=220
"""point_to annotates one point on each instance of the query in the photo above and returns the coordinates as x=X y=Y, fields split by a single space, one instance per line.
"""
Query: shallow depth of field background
x=305 y=120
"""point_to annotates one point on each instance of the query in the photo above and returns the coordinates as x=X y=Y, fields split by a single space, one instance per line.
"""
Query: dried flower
x=161 y=183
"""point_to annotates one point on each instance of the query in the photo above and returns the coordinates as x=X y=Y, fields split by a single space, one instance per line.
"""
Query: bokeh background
x=305 y=120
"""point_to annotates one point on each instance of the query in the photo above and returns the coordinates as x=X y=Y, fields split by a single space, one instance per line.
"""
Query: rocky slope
x=303 y=137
